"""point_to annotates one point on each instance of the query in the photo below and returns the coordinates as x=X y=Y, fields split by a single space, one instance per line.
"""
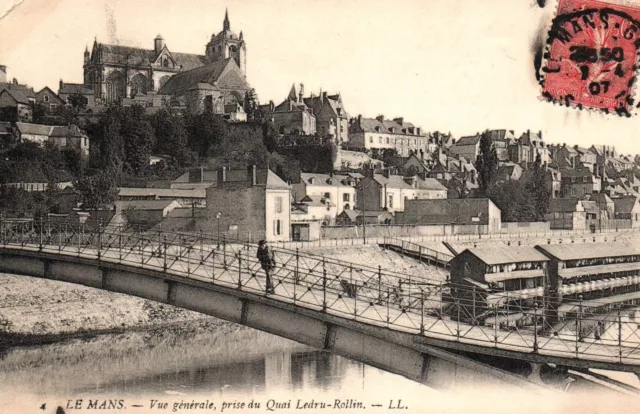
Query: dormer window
x=377 y=129
x=165 y=62
x=392 y=129
x=312 y=180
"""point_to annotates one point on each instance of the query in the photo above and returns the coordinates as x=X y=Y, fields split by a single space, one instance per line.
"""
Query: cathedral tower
x=227 y=44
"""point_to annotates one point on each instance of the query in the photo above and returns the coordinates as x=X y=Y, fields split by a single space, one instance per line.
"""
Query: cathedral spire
x=226 y=25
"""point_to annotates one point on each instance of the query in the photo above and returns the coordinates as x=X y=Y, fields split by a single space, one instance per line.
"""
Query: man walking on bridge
x=267 y=261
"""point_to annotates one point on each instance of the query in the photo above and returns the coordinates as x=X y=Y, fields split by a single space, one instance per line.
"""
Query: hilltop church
x=215 y=81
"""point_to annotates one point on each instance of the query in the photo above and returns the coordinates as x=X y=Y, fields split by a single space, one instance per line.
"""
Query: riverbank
x=37 y=311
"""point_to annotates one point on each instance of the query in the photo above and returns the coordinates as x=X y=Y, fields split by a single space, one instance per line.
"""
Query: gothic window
x=138 y=85
x=116 y=87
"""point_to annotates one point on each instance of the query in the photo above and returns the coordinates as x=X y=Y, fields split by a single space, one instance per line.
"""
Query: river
x=212 y=366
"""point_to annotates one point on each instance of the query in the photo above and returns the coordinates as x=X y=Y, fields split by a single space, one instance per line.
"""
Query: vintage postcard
x=319 y=206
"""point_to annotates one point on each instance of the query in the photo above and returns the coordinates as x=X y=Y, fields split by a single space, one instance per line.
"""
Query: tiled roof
x=590 y=250
x=624 y=205
x=352 y=214
x=190 y=79
x=162 y=192
x=291 y=106
x=321 y=179
x=144 y=204
x=21 y=93
x=473 y=140
x=189 y=61
x=394 y=181
x=75 y=88
x=511 y=254
x=590 y=206
x=50 y=131
x=374 y=125
x=583 y=172
x=600 y=198
x=34 y=129
x=563 y=205
x=430 y=184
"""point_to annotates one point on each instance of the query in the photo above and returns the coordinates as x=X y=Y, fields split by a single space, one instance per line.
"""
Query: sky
x=445 y=65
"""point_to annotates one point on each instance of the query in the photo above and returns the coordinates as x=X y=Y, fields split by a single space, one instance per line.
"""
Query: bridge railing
x=529 y=320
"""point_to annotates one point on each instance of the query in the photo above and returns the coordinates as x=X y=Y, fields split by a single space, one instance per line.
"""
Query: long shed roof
x=589 y=250
x=511 y=254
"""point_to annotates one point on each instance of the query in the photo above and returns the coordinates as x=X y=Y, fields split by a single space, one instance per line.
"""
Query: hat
x=261 y=242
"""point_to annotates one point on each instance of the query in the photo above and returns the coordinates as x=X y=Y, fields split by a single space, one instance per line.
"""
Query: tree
x=97 y=190
x=251 y=104
x=486 y=164
x=78 y=102
x=39 y=113
x=110 y=154
x=171 y=136
x=138 y=137
x=205 y=131
x=539 y=191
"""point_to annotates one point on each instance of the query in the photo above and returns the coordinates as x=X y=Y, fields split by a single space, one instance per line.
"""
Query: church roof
x=190 y=79
x=75 y=88
x=135 y=56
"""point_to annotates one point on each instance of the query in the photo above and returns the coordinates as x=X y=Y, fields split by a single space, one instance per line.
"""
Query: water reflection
x=198 y=359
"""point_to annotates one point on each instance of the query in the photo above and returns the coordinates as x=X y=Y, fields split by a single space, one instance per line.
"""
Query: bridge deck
x=618 y=346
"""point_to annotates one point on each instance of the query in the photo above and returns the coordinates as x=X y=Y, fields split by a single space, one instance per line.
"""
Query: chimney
x=252 y=175
x=3 y=74
x=380 y=118
x=447 y=162
x=15 y=81
x=540 y=134
x=222 y=176
x=399 y=120
x=386 y=172
x=528 y=133
x=61 y=86
x=158 y=44
x=301 y=94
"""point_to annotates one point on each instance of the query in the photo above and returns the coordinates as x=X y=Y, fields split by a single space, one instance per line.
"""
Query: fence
x=596 y=330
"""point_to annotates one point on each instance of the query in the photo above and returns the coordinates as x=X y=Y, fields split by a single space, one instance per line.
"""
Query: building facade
x=115 y=72
x=380 y=134
x=249 y=204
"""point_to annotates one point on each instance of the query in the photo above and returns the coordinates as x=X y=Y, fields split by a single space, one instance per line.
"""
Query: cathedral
x=215 y=81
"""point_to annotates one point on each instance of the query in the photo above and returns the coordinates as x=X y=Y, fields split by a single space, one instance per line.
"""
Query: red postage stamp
x=591 y=56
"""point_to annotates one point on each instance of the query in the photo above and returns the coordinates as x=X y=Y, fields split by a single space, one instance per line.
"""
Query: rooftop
x=590 y=250
x=508 y=254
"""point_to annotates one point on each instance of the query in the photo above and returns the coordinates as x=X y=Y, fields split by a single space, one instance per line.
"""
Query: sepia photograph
x=298 y=206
